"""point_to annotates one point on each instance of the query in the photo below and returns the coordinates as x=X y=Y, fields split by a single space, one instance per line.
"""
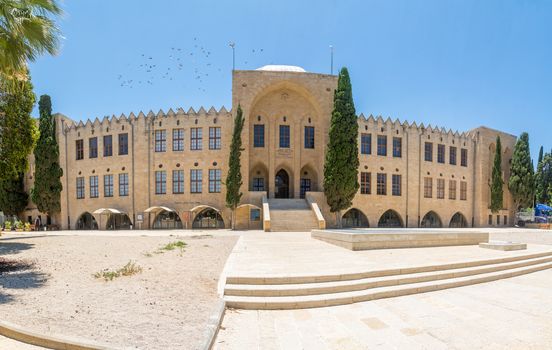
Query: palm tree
x=27 y=31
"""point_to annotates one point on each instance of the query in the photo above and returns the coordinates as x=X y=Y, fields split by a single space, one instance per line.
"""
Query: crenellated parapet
x=180 y=113
x=405 y=126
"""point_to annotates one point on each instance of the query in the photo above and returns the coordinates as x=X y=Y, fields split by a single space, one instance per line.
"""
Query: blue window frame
x=366 y=144
x=258 y=135
x=284 y=136
x=309 y=136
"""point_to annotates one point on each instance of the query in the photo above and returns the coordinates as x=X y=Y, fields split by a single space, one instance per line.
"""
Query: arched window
x=458 y=221
x=208 y=218
x=355 y=218
x=431 y=220
x=390 y=219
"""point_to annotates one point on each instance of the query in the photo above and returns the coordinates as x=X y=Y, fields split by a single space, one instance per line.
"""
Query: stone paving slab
x=507 y=314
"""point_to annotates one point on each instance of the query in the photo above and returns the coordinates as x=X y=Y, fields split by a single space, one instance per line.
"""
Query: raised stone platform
x=504 y=246
x=359 y=239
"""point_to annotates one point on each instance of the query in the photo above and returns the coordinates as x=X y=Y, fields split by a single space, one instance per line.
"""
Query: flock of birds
x=182 y=64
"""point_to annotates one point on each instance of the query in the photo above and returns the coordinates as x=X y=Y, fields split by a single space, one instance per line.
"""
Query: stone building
x=166 y=169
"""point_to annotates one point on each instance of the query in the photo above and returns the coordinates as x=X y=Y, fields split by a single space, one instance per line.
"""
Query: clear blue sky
x=457 y=64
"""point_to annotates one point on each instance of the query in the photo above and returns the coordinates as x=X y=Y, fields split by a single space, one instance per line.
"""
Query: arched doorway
x=458 y=220
x=390 y=219
x=281 y=184
x=354 y=218
x=308 y=181
x=118 y=222
x=86 y=222
x=167 y=220
x=208 y=218
x=431 y=220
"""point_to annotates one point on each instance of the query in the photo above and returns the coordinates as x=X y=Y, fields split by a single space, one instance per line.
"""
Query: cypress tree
x=543 y=180
x=13 y=198
x=234 y=177
x=541 y=155
x=496 y=180
x=522 y=177
x=47 y=186
x=341 y=163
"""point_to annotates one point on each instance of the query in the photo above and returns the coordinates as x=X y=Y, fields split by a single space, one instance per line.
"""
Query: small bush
x=131 y=268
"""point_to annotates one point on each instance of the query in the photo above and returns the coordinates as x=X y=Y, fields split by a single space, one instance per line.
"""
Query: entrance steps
x=298 y=292
x=287 y=215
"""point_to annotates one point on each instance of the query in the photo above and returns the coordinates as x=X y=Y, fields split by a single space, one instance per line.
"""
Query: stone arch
x=208 y=218
x=119 y=221
x=249 y=217
x=458 y=220
x=308 y=180
x=390 y=218
x=431 y=220
x=354 y=218
x=86 y=221
x=280 y=182
x=167 y=220
x=258 y=178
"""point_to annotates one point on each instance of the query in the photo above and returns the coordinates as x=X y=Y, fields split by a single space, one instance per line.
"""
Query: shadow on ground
x=8 y=248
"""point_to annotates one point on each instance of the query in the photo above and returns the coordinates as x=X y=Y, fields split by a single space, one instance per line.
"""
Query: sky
x=455 y=64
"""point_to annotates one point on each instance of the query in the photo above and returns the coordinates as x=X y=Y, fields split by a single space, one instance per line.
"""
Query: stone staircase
x=288 y=215
x=298 y=292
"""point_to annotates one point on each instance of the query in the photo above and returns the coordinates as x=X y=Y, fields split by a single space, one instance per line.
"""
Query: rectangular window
x=366 y=144
x=196 y=178
x=452 y=155
x=440 y=188
x=365 y=183
x=396 y=185
x=304 y=187
x=505 y=220
x=196 y=139
x=452 y=189
x=255 y=214
x=79 y=148
x=161 y=182
x=309 y=136
x=428 y=187
x=178 y=181
x=80 y=187
x=258 y=184
x=284 y=136
x=382 y=145
x=464 y=157
x=258 y=135
x=108 y=185
x=94 y=186
x=107 y=146
x=214 y=138
x=123 y=144
x=178 y=140
x=441 y=153
x=397 y=147
x=93 y=147
x=382 y=184
x=463 y=190
x=123 y=185
x=214 y=180
x=160 y=140
x=428 y=152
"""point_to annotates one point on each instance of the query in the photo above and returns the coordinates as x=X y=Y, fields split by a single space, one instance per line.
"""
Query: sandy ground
x=166 y=306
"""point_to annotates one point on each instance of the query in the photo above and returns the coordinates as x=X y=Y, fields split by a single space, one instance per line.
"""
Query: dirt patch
x=50 y=287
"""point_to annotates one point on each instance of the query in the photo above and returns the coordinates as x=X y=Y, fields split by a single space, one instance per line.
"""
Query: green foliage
x=522 y=177
x=13 y=198
x=541 y=155
x=17 y=131
x=497 y=195
x=131 y=268
x=341 y=163
x=26 y=32
x=543 y=180
x=47 y=175
x=234 y=177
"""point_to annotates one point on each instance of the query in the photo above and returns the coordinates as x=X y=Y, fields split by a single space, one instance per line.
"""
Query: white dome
x=282 y=68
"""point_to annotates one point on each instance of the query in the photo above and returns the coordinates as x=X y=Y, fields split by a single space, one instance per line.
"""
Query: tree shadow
x=18 y=274
x=8 y=248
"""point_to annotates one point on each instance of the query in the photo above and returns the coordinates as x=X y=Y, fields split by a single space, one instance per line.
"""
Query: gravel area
x=165 y=306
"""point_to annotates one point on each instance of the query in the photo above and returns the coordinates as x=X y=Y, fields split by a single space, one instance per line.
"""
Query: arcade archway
x=208 y=218
x=354 y=218
x=431 y=220
x=390 y=219
x=86 y=221
x=458 y=220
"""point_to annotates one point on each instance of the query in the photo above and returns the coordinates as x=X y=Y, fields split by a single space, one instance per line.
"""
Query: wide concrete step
x=342 y=298
x=275 y=290
x=287 y=204
x=257 y=280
